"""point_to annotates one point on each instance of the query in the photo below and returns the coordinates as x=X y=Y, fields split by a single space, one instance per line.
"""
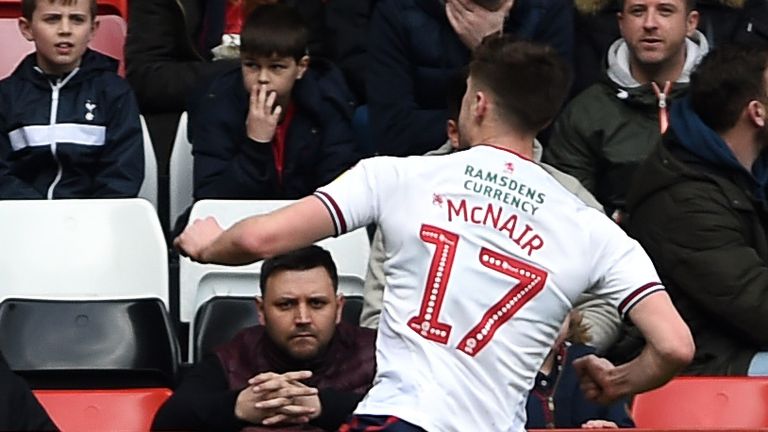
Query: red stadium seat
x=10 y=8
x=704 y=402
x=113 y=7
x=15 y=47
x=103 y=410
x=110 y=38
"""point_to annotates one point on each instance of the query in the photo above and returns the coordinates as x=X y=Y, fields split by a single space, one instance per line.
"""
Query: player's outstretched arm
x=669 y=348
x=297 y=225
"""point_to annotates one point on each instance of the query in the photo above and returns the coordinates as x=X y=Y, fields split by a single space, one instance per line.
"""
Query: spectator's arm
x=336 y=406
x=11 y=186
x=19 y=409
x=339 y=149
x=570 y=147
x=702 y=249
x=202 y=402
x=121 y=165
x=601 y=318
x=228 y=165
x=373 y=290
x=557 y=28
x=400 y=127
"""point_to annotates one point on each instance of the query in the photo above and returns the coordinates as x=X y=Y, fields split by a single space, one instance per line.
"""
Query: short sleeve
x=354 y=198
x=622 y=271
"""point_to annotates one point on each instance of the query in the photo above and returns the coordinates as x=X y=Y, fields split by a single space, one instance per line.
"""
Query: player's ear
x=481 y=104
x=452 y=129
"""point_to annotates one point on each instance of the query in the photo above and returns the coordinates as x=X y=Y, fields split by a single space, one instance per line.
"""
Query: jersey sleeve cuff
x=339 y=224
x=636 y=296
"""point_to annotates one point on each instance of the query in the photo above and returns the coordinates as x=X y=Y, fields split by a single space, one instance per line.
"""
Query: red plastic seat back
x=10 y=8
x=113 y=7
x=110 y=38
x=704 y=402
x=15 y=47
x=103 y=410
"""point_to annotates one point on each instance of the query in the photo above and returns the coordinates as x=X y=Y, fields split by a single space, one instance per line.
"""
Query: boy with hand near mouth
x=277 y=127
x=69 y=125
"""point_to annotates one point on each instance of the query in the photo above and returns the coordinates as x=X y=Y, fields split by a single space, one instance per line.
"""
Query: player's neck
x=519 y=143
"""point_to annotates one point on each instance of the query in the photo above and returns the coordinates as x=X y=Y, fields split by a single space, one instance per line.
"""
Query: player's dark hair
x=301 y=259
x=725 y=82
x=274 y=30
x=529 y=81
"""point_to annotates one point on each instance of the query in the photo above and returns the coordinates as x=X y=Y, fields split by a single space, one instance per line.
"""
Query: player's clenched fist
x=600 y=380
x=263 y=114
x=196 y=237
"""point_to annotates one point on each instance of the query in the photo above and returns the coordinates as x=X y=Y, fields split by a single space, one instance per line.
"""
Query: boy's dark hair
x=724 y=83
x=301 y=259
x=690 y=5
x=28 y=6
x=274 y=29
x=529 y=81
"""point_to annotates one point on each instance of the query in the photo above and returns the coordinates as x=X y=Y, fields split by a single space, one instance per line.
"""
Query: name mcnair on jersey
x=492 y=185
x=493 y=216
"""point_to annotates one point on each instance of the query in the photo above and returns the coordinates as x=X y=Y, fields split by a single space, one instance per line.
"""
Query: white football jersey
x=486 y=253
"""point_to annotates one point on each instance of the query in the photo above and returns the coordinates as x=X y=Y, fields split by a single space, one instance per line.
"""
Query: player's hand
x=263 y=114
x=284 y=399
x=599 y=424
x=472 y=22
x=196 y=237
x=598 y=379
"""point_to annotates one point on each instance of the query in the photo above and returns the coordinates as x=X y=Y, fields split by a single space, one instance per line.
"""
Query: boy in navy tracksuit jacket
x=69 y=126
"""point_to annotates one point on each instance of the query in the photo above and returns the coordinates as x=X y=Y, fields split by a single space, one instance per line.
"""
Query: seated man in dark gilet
x=302 y=369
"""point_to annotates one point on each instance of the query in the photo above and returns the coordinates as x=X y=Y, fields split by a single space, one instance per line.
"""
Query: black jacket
x=97 y=145
x=414 y=54
x=19 y=409
x=705 y=230
x=319 y=144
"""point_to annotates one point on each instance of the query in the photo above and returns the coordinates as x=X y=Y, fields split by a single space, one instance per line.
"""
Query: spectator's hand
x=599 y=424
x=472 y=22
x=283 y=399
x=599 y=379
x=301 y=410
x=263 y=115
x=196 y=237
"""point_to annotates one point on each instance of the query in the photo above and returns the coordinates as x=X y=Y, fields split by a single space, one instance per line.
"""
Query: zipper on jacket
x=661 y=95
x=55 y=90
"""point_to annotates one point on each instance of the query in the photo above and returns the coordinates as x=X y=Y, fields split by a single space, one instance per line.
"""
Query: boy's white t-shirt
x=485 y=255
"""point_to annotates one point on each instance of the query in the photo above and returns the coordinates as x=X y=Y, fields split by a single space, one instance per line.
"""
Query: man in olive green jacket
x=607 y=130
